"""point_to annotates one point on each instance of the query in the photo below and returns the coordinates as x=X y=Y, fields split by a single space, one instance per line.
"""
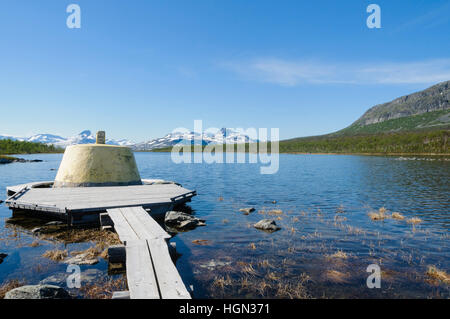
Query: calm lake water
x=325 y=202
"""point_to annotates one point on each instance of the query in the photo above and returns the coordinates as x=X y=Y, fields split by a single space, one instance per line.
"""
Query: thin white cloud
x=292 y=73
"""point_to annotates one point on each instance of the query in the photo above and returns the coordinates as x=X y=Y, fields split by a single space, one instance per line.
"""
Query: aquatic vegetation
x=35 y=243
x=104 y=289
x=339 y=254
x=397 y=216
x=201 y=242
x=10 y=285
x=414 y=220
x=249 y=269
x=221 y=282
x=275 y=212
x=67 y=235
x=252 y=246
x=265 y=264
x=336 y=276
x=437 y=274
x=56 y=254
x=272 y=276
x=380 y=215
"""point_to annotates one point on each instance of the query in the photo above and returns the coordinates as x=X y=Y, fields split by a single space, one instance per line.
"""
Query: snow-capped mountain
x=84 y=137
x=222 y=136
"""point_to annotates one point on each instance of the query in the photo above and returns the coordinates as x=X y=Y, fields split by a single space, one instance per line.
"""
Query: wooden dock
x=151 y=273
x=71 y=204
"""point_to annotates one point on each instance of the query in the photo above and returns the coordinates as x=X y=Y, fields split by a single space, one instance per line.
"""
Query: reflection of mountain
x=222 y=136
x=84 y=137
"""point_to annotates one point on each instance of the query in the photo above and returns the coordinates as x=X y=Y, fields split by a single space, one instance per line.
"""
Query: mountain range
x=222 y=136
x=85 y=137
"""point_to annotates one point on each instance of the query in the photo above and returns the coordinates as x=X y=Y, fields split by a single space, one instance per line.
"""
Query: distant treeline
x=20 y=147
x=423 y=142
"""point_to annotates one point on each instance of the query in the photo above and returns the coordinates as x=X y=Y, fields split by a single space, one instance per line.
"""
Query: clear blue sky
x=138 y=69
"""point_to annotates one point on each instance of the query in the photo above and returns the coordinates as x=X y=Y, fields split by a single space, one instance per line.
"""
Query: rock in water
x=247 y=211
x=182 y=220
x=37 y=292
x=267 y=224
x=2 y=256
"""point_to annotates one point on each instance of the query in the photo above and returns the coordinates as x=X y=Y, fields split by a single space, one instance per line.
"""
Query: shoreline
x=13 y=156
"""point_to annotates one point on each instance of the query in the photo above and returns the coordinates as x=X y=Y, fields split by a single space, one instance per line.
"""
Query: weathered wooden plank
x=170 y=284
x=140 y=273
x=151 y=226
x=121 y=226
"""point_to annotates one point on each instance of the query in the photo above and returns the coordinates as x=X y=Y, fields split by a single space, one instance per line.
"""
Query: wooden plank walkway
x=91 y=199
x=151 y=273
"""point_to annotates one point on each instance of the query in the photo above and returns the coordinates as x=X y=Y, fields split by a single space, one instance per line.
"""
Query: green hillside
x=427 y=121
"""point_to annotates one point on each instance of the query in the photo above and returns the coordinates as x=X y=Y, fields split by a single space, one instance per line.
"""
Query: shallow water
x=325 y=200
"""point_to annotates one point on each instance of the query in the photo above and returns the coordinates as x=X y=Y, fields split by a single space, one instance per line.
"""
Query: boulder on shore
x=267 y=225
x=182 y=220
x=37 y=292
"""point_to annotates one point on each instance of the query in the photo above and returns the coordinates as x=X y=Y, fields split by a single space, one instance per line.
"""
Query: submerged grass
x=56 y=254
x=104 y=289
x=438 y=275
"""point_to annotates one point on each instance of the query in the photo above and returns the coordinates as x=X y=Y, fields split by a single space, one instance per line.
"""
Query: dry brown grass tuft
x=56 y=254
x=103 y=237
x=262 y=287
x=414 y=220
x=9 y=285
x=380 y=215
x=336 y=276
x=437 y=274
x=201 y=242
x=272 y=276
x=222 y=282
x=35 y=243
x=104 y=289
x=294 y=291
x=265 y=264
x=398 y=216
x=338 y=255
x=249 y=269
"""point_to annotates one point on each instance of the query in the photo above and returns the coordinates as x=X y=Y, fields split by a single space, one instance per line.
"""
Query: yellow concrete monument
x=88 y=165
